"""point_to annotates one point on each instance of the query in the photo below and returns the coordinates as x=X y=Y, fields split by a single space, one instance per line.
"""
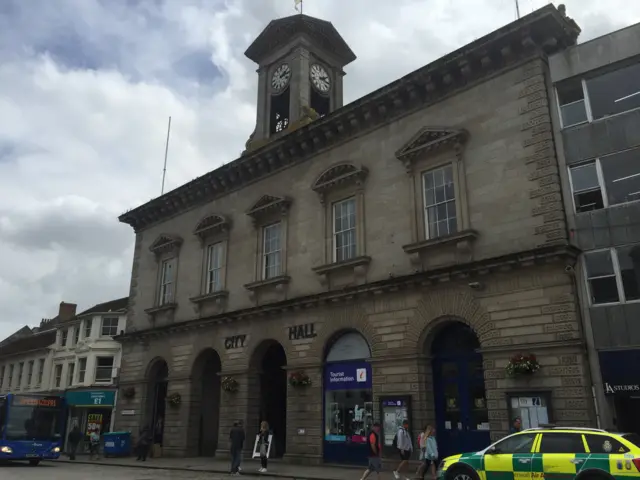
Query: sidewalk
x=277 y=469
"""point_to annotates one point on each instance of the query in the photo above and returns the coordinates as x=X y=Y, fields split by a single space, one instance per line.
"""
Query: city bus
x=31 y=427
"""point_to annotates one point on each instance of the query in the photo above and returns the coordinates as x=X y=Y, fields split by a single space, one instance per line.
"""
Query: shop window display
x=348 y=415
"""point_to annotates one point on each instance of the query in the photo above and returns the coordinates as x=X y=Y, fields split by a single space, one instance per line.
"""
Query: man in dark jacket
x=74 y=439
x=236 y=440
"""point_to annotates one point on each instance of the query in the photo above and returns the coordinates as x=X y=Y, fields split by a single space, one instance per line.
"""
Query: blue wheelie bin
x=117 y=444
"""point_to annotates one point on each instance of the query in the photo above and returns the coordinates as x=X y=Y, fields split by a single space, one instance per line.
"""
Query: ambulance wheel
x=34 y=463
x=462 y=473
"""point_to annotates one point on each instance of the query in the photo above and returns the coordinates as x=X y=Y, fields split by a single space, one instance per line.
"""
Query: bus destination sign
x=33 y=401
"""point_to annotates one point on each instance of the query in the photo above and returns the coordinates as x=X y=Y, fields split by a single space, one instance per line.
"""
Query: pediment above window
x=211 y=225
x=430 y=140
x=339 y=175
x=268 y=204
x=165 y=243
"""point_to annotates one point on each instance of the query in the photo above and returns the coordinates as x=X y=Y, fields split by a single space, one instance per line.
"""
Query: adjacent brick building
x=396 y=252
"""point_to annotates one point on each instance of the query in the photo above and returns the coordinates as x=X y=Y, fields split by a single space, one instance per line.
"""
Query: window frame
x=30 y=367
x=40 y=377
x=264 y=254
x=88 y=322
x=425 y=215
x=71 y=367
x=57 y=379
x=64 y=337
x=622 y=298
x=209 y=250
x=601 y=180
x=531 y=434
x=164 y=299
x=334 y=233
x=10 y=376
x=97 y=366
x=82 y=372
x=102 y=326
x=587 y=105
x=577 y=435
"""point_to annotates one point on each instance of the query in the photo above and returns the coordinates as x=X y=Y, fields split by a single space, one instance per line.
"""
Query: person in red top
x=375 y=452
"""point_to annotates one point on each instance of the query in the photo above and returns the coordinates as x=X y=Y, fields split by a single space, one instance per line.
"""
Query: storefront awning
x=620 y=372
x=90 y=398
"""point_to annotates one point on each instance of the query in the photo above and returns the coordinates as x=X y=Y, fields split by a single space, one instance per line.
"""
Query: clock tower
x=300 y=66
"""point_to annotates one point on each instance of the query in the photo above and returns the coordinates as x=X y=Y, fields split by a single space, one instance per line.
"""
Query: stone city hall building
x=370 y=262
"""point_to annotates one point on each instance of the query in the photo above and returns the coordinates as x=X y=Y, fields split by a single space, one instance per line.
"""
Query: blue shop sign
x=394 y=403
x=91 y=398
x=347 y=376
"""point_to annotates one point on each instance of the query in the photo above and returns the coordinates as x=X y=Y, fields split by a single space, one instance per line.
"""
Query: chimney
x=67 y=311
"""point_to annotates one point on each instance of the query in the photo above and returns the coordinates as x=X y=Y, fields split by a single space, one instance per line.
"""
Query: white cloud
x=86 y=87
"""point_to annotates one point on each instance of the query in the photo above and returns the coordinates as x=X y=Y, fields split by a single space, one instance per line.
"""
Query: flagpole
x=518 y=9
x=166 y=151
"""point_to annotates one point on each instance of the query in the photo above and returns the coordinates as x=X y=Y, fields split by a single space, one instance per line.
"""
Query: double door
x=462 y=420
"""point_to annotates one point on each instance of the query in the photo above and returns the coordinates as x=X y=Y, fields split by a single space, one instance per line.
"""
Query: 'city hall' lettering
x=298 y=332
x=235 y=341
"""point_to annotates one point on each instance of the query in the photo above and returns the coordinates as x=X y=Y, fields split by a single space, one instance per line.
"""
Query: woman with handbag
x=263 y=446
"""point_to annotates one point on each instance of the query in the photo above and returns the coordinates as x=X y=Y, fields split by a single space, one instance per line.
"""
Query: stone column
x=241 y=405
x=176 y=420
x=305 y=430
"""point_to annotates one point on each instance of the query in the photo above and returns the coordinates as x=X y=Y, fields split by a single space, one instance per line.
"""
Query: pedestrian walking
x=404 y=445
x=75 y=435
x=375 y=452
x=430 y=458
x=144 y=442
x=94 y=444
x=236 y=442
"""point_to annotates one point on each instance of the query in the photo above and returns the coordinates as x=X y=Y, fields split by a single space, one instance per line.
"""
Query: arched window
x=348 y=346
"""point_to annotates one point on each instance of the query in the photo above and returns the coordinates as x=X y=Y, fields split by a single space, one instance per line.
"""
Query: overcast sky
x=87 y=86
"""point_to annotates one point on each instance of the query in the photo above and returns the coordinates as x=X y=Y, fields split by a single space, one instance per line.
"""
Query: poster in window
x=94 y=423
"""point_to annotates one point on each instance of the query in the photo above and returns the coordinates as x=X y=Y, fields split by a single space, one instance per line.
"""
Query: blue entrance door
x=459 y=395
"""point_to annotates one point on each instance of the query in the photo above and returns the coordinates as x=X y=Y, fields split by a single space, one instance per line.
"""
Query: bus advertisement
x=31 y=427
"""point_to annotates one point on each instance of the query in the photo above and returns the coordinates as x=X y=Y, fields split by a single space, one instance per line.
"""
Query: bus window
x=32 y=423
x=3 y=416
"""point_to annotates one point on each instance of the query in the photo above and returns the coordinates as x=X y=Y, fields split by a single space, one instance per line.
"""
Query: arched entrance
x=156 y=401
x=270 y=359
x=348 y=398
x=462 y=419
x=204 y=414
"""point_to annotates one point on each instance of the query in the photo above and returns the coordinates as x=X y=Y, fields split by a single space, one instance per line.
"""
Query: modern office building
x=597 y=124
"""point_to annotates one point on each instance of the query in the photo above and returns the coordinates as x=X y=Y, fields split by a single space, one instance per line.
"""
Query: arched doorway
x=348 y=398
x=270 y=359
x=204 y=415
x=156 y=400
x=462 y=419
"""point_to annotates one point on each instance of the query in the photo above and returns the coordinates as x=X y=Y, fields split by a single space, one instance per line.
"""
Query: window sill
x=167 y=307
x=278 y=284
x=461 y=240
x=275 y=281
x=358 y=266
x=218 y=297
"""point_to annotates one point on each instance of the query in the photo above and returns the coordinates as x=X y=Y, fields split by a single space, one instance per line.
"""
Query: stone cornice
x=339 y=175
x=539 y=256
x=165 y=243
x=545 y=31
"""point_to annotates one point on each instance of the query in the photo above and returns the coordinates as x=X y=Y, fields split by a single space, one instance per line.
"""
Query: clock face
x=281 y=77
x=320 y=78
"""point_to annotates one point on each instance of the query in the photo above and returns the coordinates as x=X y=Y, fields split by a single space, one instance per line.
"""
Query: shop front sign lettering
x=234 y=341
x=299 y=332
x=613 y=389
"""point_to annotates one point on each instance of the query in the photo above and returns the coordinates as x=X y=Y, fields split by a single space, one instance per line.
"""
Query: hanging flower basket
x=230 y=384
x=299 y=379
x=523 y=365
x=174 y=400
x=129 y=392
